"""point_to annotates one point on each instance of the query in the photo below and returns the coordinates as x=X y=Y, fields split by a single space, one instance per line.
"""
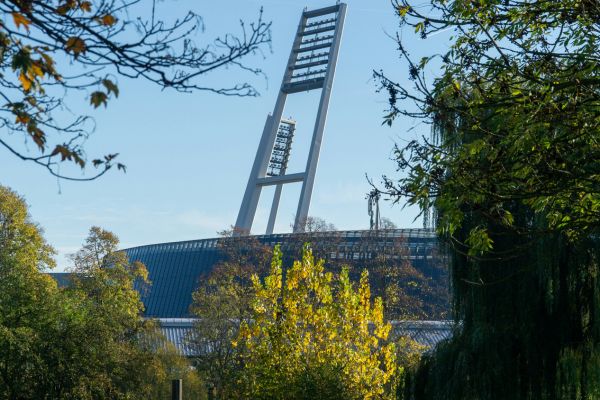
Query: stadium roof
x=175 y=268
x=427 y=333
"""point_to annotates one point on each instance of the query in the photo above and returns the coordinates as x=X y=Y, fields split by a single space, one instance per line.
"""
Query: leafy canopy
x=515 y=112
x=311 y=334
x=82 y=341
x=222 y=303
x=512 y=176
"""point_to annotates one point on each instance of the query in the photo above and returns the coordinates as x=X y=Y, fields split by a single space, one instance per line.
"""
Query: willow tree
x=513 y=178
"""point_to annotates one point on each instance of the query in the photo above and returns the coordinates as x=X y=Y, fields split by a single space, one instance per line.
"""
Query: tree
x=410 y=289
x=222 y=304
x=82 y=341
x=315 y=224
x=312 y=335
x=26 y=298
x=50 y=49
x=106 y=287
x=387 y=223
x=512 y=176
x=408 y=292
x=169 y=364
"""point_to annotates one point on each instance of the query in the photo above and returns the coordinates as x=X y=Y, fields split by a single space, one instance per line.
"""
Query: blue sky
x=189 y=155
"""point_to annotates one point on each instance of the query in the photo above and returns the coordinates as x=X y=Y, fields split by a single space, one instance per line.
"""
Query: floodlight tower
x=311 y=66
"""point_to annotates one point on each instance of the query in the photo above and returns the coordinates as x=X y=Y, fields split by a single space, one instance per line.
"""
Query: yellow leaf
x=403 y=10
x=20 y=19
x=108 y=20
x=25 y=82
x=76 y=45
x=35 y=70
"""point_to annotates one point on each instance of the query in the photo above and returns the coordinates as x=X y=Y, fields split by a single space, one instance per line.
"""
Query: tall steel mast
x=311 y=66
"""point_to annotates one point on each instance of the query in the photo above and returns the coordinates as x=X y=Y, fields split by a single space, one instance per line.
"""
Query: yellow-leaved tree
x=315 y=335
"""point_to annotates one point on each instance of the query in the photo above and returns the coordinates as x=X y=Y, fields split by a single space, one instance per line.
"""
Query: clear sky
x=189 y=155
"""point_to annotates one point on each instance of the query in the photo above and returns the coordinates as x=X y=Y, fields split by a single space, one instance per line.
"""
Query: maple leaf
x=98 y=98
x=76 y=45
x=20 y=19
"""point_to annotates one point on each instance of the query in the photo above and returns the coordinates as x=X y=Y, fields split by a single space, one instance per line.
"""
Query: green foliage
x=222 y=304
x=313 y=335
x=407 y=291
x=168 y=364
x=85 y=341
x=26 y=297
x=513 y=176
x=512 y=115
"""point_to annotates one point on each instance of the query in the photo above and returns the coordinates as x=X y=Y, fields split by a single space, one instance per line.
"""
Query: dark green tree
x=512 y=176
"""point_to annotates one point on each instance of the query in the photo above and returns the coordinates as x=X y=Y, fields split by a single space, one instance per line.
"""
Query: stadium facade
x=175 y=269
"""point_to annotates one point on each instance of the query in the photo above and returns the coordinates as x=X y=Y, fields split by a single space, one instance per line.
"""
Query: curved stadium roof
x=174 y=268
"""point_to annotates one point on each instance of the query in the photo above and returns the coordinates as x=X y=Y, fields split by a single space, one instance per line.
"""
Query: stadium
x=176 y=268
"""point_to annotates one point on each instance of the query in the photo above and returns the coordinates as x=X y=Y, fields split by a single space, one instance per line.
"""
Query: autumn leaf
x=48 y=63
x=26 y=83
x=111 y=87
x=78 y=160
x=65 y=8
x=86 y=6
x=108 y=20
x=22 y=118
x=76 y=45
x=31 y=100
x=49 y=60
x=35 y=69
x=62 y=10
x=20 y=19
x=98 y=98
x=403 y=10
x=65 y=153
x=38 y=136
